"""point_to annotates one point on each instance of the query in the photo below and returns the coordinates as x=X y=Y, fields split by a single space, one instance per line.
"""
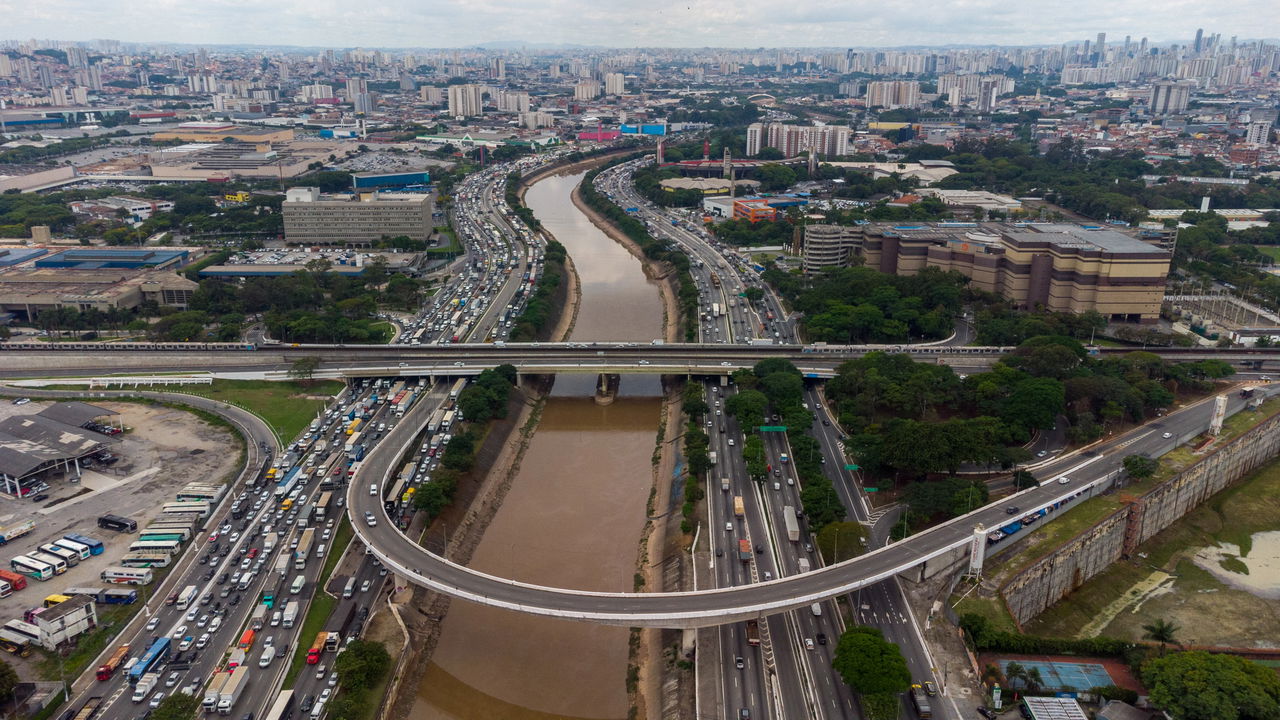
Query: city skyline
x=613 y=24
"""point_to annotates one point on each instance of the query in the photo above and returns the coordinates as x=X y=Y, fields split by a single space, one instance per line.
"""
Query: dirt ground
x=163 y=450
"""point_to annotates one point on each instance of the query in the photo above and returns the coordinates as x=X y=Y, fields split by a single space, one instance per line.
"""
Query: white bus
x=197 y=508
x=145 y=560
x=84 y=551
x=31 y=568
x=70 y=557
x=170 y=546
x=59 y=565
x=128 y=576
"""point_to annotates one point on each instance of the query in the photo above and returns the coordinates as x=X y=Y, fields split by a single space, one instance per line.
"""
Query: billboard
x=659 y=129
x=378 y=181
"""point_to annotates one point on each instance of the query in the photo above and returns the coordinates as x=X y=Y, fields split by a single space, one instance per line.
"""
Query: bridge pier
x=607 y=385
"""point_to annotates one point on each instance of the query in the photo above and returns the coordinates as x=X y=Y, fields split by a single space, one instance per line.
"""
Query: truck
x=232 y=689
x=739 y=509
x=268 y=543
x=753 y=632
x=259 y=617
x=711 y=456
x=724 y=484
x=235 y=659
x=304 y=548
x=744 y=550
x=88 y=709
x=290 y=614
x=793 y=525
x=145 y=685
x=16 y=530
x=921 y=700
x=214 y=691
x=804 y=565
x=107 y=669
x=186 y=597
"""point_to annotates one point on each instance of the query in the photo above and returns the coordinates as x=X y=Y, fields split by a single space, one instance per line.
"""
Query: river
x=572 y=518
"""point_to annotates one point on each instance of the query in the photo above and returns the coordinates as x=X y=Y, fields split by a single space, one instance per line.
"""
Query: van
x=816 y=609
x=267 y=655
x=214 y=624
x=777 y=486
x=243 y=582
x=318 y=710
x=350 y=589
x=320 y=550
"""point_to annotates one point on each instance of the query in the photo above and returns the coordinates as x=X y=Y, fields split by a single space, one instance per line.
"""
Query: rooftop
x=1080 y=237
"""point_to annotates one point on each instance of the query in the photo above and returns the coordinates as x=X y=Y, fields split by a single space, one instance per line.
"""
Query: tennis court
x=1060 y=675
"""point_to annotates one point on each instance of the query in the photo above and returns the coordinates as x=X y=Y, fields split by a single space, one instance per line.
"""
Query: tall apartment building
x=893 y=94
x=498 y=69
x=1170 y=97
x=356 y=86
x=1258 y=132
x=829 y=246
x=791 y=140
x=1060 y=267
x=586 y=90
x=430 y=94
x=354 y=221
x=311 y=93
x=614 y=84
x=466 y=100
x=512 y=101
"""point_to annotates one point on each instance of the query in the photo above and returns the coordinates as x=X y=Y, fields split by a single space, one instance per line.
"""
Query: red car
x=253 y=553
x=213 y=536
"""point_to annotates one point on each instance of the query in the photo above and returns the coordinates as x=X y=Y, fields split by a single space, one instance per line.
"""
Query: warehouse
x=32 y=445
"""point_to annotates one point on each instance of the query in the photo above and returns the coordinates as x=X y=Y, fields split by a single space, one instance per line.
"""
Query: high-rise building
x=430 y=94
x=791 y=140
x=829 y=246
x=614 y=84
x=1199 y=43
x=364 y=102
x=1258 y=132
x=45 y=76
x=58 y=97
x=356 y=86
x=1170 y=97
x=6 y=66
x=512 y=101
x=586 y=90
x=498 y=69
x=80 y=95
x=893 y=94
x=466 y=100
x=311 y=93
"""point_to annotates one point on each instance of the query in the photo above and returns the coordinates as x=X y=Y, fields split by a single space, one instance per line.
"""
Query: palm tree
x=1161 y=631
x=1014 y=671
x=1033 y=679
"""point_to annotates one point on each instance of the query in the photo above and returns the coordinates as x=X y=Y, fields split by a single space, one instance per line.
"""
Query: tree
x=1140 y=467
x=304 y=368
x=362 y=664
x=178 y=706
x=8 y=679
x=870 y=664
x=1161 y=631
x=1198 y=685
x=1023 y=479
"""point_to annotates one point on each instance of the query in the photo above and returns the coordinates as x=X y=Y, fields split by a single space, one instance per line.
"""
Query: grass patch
x=988 y=607
x=110 y=620
x=386 y=330
x=447 y=249
x=322 y=604
x=1231 y=563
x=374 y=694
x=288 y=407
x=1271 y=251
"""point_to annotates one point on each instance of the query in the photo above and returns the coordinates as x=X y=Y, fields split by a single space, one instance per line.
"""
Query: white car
x=1064 y=480
x=1167 y=435
x=202 y=642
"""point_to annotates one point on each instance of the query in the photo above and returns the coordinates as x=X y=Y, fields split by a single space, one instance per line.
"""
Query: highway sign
x=773 y=428
x=871 y=489
x=851 y=467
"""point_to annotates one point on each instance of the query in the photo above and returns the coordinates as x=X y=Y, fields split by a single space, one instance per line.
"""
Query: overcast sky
x=631 y=23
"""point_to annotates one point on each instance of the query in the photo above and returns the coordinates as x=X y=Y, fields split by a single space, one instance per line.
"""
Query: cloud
x=627 y=23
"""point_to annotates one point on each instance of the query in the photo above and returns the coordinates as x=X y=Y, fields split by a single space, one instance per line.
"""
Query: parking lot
x=162 y=450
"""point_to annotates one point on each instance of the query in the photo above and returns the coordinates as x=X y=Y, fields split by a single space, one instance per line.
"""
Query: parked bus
x=14 y=579
x=150 y=535
x=173 y=547
x=5 y=589
x=146 y=560
x=58 y=564
x=282 y=708
x=70 y=557
x=95 y=546
x=117 y=523
x=150 y=660
x=128 y=576
x=81 y=550
x=52 y=600
x=195 y=508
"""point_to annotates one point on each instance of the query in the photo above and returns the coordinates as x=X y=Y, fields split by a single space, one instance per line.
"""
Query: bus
x=282 y=708
x=161 y=535
x=183 y=530
x=95 y=546
x=58 y=564
x=70 y=557
x=921 y=701
x=79 y=549
x=25 y=631
x=146 y=560
x=170 y=546
x=192 y=493
x=108 y=668
x=128 y=576
x=5 y=589
x=317 y=648
x=322 y=505
x=150 y=660
x=195 y=508
x=117 y=523
x=52 y=600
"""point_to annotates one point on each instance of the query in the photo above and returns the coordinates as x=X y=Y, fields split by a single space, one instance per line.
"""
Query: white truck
x=290 y=614
x=214 y=692
x=145 y=685
x=724 y=484
x=232 y=689
x=793 y=525
x=303 y=550
x=804 y=565
x=268 y=543
x=259 y=617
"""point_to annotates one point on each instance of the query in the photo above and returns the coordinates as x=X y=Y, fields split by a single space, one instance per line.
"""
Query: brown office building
x=1060 y=267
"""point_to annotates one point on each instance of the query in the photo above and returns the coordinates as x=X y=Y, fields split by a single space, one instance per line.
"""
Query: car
x=22 y=401
x=986 y=712
x=253 y=553
x=382 y=571
x=172 y=679
x=1064 y=480
x=320 y=672
x=202 y=642
x=187 y=642
x=234 y=537
x=808 y=643
x=153 y=622
x=41 y=496
x=822 y=638
x=1012 y=510
x=719 y=552
x=307 y=702
x=325 y=693
x=1042 y=453
x=369 y=519
x=768 y=575
x=222 y=579
x=225 y=591
x=1167 y=435
x=738 y=662
x=235 y=600
x=156 y=700
x=202 y=621
x=744 y=714
x=333 y=679
x=930 y=689
x=178 y=632
x=213 y=536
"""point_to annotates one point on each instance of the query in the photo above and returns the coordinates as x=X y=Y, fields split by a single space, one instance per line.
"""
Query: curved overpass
x=716 y=606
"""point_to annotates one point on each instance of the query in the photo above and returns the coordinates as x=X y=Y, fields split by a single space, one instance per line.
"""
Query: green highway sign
x=870 y=489
x=851 y=467
x=773 y=428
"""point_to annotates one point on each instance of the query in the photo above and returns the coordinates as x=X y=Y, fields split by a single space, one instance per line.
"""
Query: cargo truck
x=793 y=525
x=753 y=632
x=259 y=617
x=145 y=684
x=744 y=550
x=711 y=456
x=303 y=550
x=107 y=669
x=268 y=543
x=231 y=691
x=804 y=565
x=88 y=709
x=738 y=508
x=235 y=659
x=214 y=691
x=724 y=484
x=16 y=530
x=290 y=614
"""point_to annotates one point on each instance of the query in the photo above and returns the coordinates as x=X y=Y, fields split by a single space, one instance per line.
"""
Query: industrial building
x=216 y=132
x=355 y=220
x=52 y=440
x=26 y=291
x=136 y=209
x=114 y=259
x=218 y=161
x=1058 y=267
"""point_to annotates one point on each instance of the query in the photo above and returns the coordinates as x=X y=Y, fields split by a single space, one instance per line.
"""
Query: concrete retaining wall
x=1054 y=576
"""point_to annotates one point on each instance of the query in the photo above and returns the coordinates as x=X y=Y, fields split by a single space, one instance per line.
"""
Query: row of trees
x=542 y=311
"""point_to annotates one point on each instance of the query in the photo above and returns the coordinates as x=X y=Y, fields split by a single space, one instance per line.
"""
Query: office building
x=791 y=140
x=893 y=94
x=829 y=246
x=354 y=220
x=466 y=100
x=1058 y=267
x=1168 y=98
x=614 y=84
